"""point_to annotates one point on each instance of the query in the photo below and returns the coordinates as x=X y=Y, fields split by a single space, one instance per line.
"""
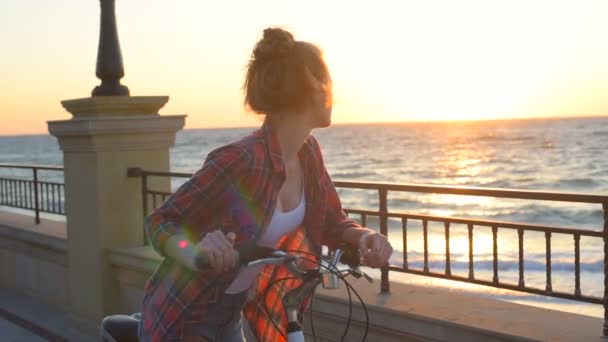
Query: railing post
x=471 y=265
x=549 y=287
x=577 y=264
x=425 y=236
x=404 y=238
x=134 y=172
x=144 y=194
x=520 y=238
x=384 y=283
x=495 y=253
x=605 y=207
x=448 y=266
x=36 y=206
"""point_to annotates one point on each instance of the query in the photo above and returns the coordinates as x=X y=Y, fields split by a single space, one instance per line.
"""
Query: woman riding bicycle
x=270 y=187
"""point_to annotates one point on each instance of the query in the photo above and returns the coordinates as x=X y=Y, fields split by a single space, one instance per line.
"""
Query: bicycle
x=123 y=328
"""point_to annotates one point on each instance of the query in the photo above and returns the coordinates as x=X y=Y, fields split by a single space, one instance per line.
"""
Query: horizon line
x=357 y=123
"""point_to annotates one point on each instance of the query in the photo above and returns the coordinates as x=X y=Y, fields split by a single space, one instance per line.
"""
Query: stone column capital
x=114 y=106
x=117 y=133
x=116 y=123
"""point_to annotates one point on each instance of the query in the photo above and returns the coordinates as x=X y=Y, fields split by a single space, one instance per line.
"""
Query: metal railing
x=33 y=194
x=152 y=198
x=521 y=228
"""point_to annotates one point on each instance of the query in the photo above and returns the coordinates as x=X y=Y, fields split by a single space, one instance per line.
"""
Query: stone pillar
x=106 y=136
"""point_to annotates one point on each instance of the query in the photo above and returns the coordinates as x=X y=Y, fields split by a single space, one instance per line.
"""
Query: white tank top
x=281 y=224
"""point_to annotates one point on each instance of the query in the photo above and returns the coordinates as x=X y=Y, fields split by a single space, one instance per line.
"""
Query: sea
x=565 y=155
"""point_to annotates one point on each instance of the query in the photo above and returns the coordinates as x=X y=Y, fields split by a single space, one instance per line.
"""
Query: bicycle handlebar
x=247 y=255
x=251 y=254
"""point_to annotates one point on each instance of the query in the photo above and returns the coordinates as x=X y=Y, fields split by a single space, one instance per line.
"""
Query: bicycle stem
x=310 y=281
x=293 y=298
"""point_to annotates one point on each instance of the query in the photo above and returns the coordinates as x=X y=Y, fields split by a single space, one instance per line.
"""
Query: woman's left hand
x=375 y=249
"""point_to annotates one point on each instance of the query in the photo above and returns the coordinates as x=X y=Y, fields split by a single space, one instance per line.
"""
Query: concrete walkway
x=13 y=333
x=24 y=319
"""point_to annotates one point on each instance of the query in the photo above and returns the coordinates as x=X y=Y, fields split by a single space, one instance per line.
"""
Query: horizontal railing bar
x=50 y=183
x=514 y=287
x=137 y=172
x=151 y=192
x=474 y=191
x=30 y=208
x=31 y=181
x=480 y=222
x=39 y=167
x=437 y=189
x=14 y=206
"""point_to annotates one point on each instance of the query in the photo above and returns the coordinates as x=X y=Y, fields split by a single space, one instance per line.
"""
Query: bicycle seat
x=119 y=328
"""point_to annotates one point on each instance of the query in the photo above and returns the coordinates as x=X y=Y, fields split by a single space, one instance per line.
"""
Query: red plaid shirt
x=236 y=191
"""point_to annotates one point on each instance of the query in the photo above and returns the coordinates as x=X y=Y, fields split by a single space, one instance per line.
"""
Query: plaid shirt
x=236 y=191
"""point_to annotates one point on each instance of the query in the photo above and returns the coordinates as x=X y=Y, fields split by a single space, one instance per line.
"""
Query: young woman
x=270 y=187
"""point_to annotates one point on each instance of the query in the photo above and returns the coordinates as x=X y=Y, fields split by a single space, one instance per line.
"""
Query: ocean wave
x=352 y=175
x=495 y=184
x=487 y=137
x=586 y=183
x=524 y=179
x=498 y=161
x=416 y=260
x=547 y=144
x=496 y=137
x=384 y=161
x=581 y=218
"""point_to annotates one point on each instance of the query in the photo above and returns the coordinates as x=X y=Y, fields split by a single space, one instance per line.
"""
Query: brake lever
x=277 y=258
x=358 y=273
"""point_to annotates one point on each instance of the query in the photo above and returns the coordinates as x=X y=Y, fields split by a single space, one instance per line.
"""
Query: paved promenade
x=14 y=333
x=23 y=319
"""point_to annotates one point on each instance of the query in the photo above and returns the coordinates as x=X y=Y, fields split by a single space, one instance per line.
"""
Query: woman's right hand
x=219 y=250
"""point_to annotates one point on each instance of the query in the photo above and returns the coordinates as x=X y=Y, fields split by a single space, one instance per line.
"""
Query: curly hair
x=283 y=73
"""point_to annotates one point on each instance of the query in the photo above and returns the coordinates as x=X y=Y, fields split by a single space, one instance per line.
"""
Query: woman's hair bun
x=283 y=74
x=275 y=43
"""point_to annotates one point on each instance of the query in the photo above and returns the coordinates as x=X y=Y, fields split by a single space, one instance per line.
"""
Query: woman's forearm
x=352 y=235
x=182 y=250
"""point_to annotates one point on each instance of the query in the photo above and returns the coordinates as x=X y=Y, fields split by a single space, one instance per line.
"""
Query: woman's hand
x=219 y=249
x=375 y=249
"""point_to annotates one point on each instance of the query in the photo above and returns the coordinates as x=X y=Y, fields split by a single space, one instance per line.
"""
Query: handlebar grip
x=251 y=252
x=201 y=261
x=350 y=256
x=244 y=255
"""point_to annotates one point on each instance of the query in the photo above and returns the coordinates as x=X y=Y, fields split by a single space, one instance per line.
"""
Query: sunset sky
x=390 y=60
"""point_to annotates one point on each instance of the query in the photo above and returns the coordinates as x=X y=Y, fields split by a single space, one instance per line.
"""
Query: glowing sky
x=390 y=60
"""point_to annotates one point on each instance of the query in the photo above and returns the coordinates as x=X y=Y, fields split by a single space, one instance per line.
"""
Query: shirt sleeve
x=336 y=221
x=195 y=200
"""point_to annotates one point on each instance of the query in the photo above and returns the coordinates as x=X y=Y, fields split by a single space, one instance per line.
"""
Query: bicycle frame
x=311 y=279
x=291 y=302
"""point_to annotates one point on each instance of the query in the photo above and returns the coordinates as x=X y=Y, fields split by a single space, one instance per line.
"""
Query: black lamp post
x=109 y=59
